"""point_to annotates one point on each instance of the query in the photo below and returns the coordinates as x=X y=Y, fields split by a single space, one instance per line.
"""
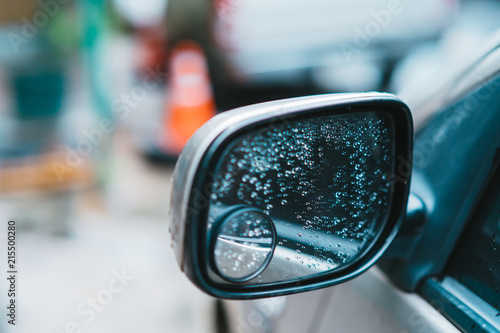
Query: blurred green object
x=63 y=32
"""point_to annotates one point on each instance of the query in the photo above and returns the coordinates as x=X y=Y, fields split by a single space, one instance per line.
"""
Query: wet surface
x=289 y=171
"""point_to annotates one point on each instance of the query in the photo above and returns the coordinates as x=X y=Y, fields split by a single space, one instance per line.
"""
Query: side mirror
x=292 y=195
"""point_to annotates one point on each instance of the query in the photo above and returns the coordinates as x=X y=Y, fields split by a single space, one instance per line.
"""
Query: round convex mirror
x=243 y=244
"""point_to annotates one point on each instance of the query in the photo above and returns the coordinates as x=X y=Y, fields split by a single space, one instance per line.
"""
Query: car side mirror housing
x=291 y=195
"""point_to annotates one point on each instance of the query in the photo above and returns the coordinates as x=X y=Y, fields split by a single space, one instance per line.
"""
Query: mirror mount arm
x=412 y=229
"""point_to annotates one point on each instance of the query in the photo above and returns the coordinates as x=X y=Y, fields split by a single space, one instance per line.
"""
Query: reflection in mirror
x=323 y=184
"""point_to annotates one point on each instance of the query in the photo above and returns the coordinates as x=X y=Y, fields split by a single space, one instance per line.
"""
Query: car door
x=467 y=292
x=451 y=258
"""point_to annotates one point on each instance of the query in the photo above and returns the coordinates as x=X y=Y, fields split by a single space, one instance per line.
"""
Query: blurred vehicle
x=297 y=46
x=244 y=177
x=474 y=25
x=263 y=50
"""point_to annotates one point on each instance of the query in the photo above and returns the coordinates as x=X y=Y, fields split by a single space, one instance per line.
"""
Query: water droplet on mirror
x=319 y=157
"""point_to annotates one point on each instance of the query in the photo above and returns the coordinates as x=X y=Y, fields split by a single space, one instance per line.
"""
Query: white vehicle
x=328 y=45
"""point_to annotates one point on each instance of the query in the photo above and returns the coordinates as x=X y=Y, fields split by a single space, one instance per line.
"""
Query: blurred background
x=97 y=99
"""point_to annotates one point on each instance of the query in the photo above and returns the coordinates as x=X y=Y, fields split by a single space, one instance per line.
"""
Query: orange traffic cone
x=190 y=103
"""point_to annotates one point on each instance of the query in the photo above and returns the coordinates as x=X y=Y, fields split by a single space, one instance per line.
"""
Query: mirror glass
x=244 y=244
x=299 y=197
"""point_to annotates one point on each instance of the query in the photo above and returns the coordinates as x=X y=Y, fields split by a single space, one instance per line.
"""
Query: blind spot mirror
x=291 y=195
x=244 y=244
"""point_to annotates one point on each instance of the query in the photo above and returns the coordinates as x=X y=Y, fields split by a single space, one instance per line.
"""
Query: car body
x=421 y=284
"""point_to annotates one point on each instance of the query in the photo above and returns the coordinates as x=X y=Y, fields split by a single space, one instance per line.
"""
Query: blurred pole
x=94 y=26
x=93 y=13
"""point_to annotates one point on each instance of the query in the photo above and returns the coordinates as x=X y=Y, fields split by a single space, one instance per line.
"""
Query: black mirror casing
x=197 y=177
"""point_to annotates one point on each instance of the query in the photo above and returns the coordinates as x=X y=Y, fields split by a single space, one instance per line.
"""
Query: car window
x=476 y=260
